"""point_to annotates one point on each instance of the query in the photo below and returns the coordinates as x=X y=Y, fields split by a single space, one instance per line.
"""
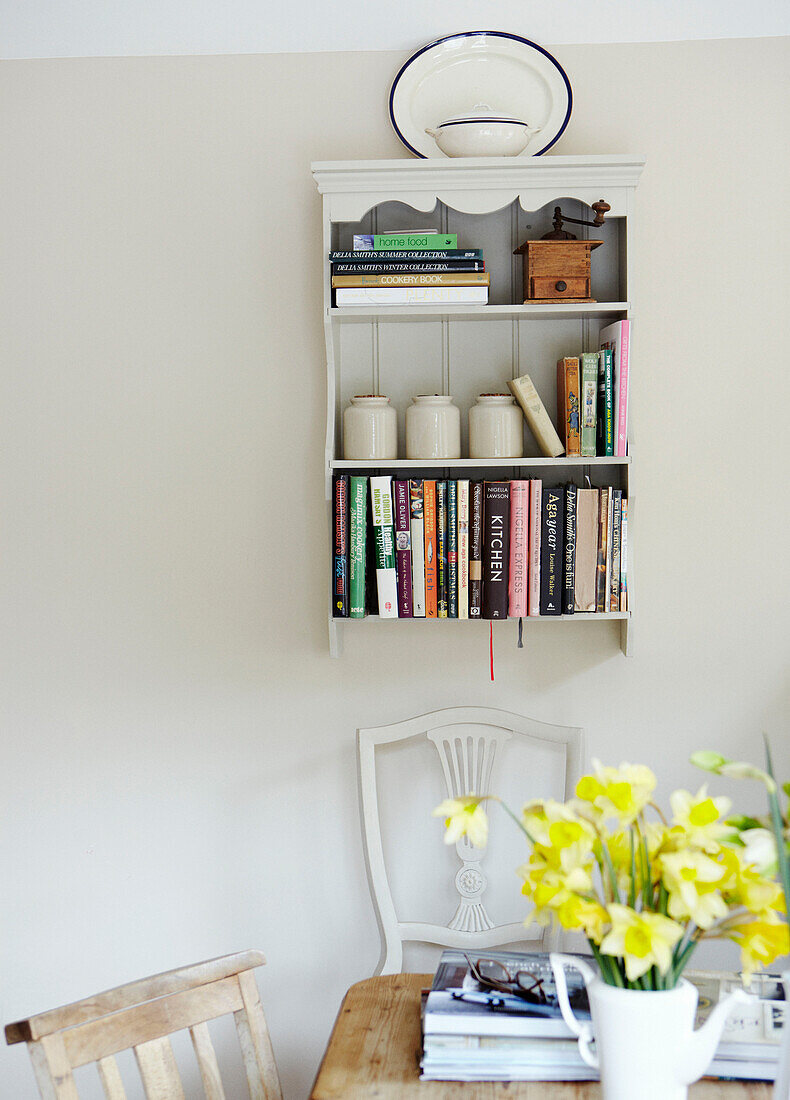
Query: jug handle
x=583 y=1031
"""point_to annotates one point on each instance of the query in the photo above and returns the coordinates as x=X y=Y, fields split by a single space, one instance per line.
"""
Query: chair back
x=141 y=1016
x=469 y=744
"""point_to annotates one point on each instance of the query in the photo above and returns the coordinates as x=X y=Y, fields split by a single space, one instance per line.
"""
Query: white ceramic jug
x=370 y=428
x=433 y=427
x=645 y=1042
x=496 y=427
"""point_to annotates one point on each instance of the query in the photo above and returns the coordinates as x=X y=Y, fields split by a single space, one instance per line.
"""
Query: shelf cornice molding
x=479 y=185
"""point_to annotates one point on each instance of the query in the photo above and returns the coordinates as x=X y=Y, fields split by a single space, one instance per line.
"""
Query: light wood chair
x=141 y=1016
x=469 y=741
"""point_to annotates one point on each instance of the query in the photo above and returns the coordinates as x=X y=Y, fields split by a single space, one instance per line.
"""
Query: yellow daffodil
x=759 y=850
x=691 y=878
x=698 y=815
x=617 y=792
x=585 y=915
x=464 y=817
x=761 y=941
x=642 y=940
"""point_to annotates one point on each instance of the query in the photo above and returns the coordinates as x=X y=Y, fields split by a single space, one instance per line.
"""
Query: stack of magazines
x=475 y=1028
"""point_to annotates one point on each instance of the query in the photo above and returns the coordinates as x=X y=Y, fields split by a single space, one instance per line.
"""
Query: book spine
x=431 y=569
x=586 y=568
x=463 y=549
x=410 y=295
x=535 y=530
x=403 y=549
x=384 y=531
x=569 y=552
x=476 y=551
x=588 y=372
x=447 y=278
x=551 y=552
x=441 y=548
x=496 y=549
x=536 y=416
x=624 y=555
x=417 y=547
x=403 y=255
x=518 y=574
x=358 y=500
x=605 y=413
x=568 y=404
x=408 y=268
x=452 y=549
x=622 y=389
x=608 y=580
x=417 y=242
x=371 y=577
x=614 y=579
x=340 y=558
x=603 y=550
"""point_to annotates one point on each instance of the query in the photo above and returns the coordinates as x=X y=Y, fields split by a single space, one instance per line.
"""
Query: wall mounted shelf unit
x=494 y=204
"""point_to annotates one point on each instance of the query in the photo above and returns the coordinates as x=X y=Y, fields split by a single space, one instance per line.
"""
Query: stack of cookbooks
x=477 y=1028
x=408 y=268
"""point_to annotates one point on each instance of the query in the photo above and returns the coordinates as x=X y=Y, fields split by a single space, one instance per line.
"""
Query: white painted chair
x=469 y=743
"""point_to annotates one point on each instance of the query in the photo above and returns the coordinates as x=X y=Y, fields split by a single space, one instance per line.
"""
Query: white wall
x=178 y=772
x=76 y=28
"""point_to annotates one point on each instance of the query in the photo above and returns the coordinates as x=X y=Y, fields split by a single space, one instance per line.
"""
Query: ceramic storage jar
x=370 y=428
x=496 y=427
x=433 y=427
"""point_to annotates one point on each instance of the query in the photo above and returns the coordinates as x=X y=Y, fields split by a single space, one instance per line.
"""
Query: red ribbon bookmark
x=491 y=648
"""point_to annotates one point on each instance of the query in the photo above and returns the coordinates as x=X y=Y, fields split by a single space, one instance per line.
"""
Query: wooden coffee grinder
x=557 y=267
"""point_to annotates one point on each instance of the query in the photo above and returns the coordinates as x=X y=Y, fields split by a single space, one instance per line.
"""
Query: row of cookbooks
x=408 y=267
x=463 y=549
x=476 y=1028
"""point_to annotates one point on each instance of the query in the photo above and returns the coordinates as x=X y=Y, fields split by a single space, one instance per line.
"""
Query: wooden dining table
x=374 y=1051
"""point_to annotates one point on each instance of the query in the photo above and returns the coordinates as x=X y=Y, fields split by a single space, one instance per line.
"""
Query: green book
x=384 y=534
x=452 y=549
x=358 y=510
x=605 y=424
x=416 y=241
x=588 y=371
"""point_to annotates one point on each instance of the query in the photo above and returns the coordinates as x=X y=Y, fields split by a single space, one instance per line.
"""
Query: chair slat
x=207 y=1061
x=256 y=1047
x=111 y=1079
x=133 y=993
x=52 y=1069
x=158 y=1069
x=137 y=1025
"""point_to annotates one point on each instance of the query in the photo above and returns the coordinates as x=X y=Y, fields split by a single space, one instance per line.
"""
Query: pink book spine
x=518 y=574
x=535 y=502
x=622 y=403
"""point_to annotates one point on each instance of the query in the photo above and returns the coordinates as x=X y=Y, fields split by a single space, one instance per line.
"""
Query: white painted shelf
x=350 y=315
x=494 y=204
x=474 y=463
x=579 y=616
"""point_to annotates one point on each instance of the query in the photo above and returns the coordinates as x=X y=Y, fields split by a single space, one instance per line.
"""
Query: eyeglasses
x=491 y=974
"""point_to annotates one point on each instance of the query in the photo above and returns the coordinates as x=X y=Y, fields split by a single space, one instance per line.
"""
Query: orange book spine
x=431 y=573
x=568 y=404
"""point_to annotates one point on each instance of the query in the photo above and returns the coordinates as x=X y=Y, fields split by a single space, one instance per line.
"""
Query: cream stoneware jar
x=496 y=427
x=370 y=428
x=433 y=427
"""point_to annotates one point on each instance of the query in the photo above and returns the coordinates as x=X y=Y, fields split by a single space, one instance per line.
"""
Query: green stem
x=777 y=824
x=518 y=822
x=647 y=884
x=610 y=869
x=632 y=893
